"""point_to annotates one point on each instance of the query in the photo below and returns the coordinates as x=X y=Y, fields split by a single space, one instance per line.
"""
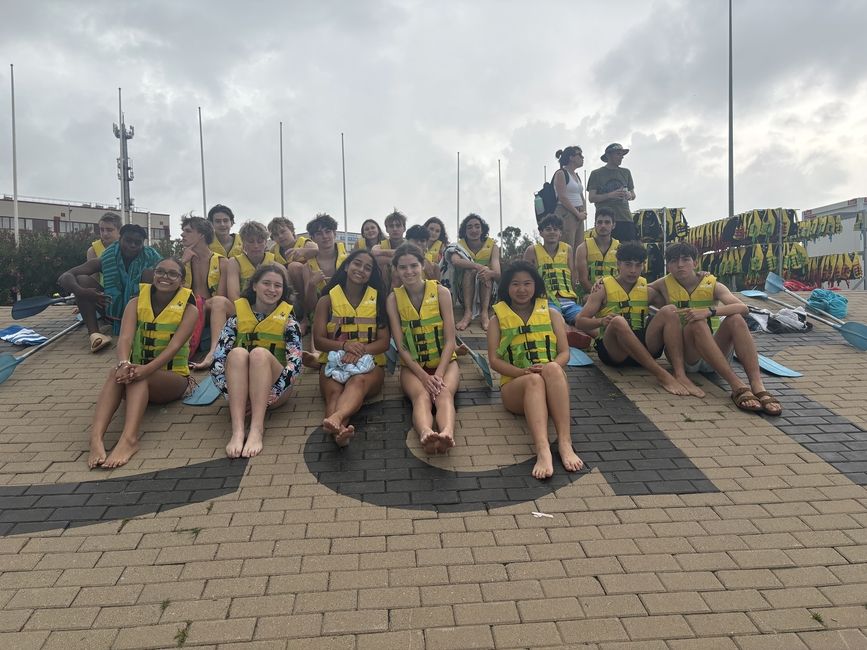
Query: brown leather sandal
x=770 y=404
x=742 y=395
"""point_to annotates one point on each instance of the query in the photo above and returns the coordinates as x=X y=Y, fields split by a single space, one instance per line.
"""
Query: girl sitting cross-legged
x=527 y=345
x=421 y=317
x=258 y=357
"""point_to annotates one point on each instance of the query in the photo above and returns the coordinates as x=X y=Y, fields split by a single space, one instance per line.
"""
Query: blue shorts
x=568 y=307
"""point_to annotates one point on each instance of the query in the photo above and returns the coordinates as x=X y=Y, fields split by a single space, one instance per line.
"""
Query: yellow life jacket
x=313 y=263
x=598 y=264
x=248 y=269
x=213 y=274
x=267 y=333
x=234 y=250
x=484 y=255
x=434 y=253
x=350 y=323
x=422 y=330
x=98 y=247
x=632 y=306
x=278 y=254
x=385 y=244
x=525 y=344
x=152 y=334
x=700 y=298
x=555 y=271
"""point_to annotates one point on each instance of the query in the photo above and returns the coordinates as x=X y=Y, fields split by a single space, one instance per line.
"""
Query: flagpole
x=282 y=210
x=731 y=126
x=14 y=162
x=345 y=217
x=458 y=214
x=202 y=155
x=500 y=188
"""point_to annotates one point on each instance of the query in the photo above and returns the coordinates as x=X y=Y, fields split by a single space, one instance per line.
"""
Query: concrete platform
x=696 y=526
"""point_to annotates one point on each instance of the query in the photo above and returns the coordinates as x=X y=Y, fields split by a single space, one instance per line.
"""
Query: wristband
x=121 y=364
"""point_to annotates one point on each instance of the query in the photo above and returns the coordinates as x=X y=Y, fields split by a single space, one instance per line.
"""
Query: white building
x=61 y=216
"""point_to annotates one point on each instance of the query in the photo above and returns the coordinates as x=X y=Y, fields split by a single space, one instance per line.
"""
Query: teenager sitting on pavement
x=418 y=236
x=395 y=226
x=124 y=265
x=596 y=256
x=292 y=252
x=258 y=357
x=709 y=340
x=555 y=262
x=206 y=275
x=527 y=345
x=628 y=335
x=478 y=275
x=109 y=232
x=371 y=235
x=423 y=325
x=351 y=317
x=322 y=267
x=241 y=268
x=225 y=242
x=152 y=353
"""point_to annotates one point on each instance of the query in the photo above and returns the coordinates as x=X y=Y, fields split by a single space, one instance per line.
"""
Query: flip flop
x=742 y=395
x=766 y=400
x=98 y=341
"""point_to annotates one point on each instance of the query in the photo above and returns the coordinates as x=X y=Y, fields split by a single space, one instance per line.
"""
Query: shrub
x=33 y=269
x=168 y=247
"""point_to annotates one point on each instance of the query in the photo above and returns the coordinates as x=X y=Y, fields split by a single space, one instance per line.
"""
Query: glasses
x=164 y=273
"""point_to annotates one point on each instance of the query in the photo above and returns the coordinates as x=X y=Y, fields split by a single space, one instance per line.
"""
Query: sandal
x=742 y=395
x=98 y=341
x=770 y=404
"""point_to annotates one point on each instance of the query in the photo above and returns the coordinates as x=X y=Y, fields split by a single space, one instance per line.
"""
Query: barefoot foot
x=446 y=442
x=569 y=458
x=253 y=445
x=344 y=436
x=122 y=452
x=693 y=390
x=463 y=323
x=310 y=360
x=236 y=445
x=544 y=467
x=673 y=386
x=429 y=440
x=485 y=321
x=97 y=454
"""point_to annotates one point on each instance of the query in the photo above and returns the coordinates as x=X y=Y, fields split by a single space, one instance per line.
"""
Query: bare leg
x=264 y=370
x=620 y=341
x=485 y=288
x=665 y=330
x=734 y=332
x=526 y=396
x=468 y=283
x=106 y=405
x=237 y=383
x=218 y=309
x=86 y=308
x=349 y=401
x=445 y=405
x=570 y=230
x=557 y=395
x=296 y=279
x=422 y=410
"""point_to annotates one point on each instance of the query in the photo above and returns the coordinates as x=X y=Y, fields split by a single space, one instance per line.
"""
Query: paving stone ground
x=696 y=526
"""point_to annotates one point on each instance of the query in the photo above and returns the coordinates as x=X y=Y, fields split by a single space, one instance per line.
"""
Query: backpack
x=546 y=198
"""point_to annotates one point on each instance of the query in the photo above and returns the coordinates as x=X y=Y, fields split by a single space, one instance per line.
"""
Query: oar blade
x=391 y=357
x=774 y=368
x=205 y=393
x=754 y=293
x=578 y=358
x=855 y=334
x=32 y=306
x=7 y=366
x=774 y=283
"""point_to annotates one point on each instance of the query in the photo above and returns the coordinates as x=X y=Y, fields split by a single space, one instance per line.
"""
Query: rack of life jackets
x=652 y=225
x=749 y=265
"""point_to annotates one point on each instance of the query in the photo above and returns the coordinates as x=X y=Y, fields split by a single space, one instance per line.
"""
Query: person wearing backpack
x=570 y=194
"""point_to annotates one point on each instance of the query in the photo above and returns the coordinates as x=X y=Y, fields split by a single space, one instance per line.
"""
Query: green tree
x=512 y=244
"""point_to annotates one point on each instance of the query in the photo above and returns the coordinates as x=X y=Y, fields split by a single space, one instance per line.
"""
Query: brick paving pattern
x=695 y=526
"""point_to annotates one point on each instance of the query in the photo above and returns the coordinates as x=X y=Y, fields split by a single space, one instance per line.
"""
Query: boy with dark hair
x=711 y=334
x=628 y=336
x=596 y=256
x=291 y=251
x=322 y=266
x=225 y=242
x=419 y=236
x=242 y=267
x=556 y=264
x=206 y=275
x=395 y=226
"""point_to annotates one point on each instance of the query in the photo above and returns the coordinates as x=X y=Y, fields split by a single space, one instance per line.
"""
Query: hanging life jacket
x=153 y=333
x=267 y=333
x=525 y=344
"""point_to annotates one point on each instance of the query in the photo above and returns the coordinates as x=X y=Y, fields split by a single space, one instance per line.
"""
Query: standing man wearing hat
x=611 y=186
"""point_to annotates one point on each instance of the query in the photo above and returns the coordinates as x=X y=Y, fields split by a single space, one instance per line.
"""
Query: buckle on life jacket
x=414 y=323
x=524 y=329
x=150 y=327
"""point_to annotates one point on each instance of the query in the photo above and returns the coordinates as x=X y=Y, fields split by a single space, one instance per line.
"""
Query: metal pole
x=783 y=215
x=500 y=188
x=345 y=218
x=202 y=154
x=14 y=163
x=731 y=126
x=149 y=227
x=122 y=162
x=282 y=210
x=544 y=174
x=458 y=214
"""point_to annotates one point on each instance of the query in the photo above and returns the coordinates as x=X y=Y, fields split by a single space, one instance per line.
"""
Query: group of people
x=258 y=291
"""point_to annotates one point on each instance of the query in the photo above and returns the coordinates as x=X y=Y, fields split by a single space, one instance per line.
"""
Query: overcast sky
x=411 y=83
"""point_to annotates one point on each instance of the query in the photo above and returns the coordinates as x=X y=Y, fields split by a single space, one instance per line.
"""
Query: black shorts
x=605 y=357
